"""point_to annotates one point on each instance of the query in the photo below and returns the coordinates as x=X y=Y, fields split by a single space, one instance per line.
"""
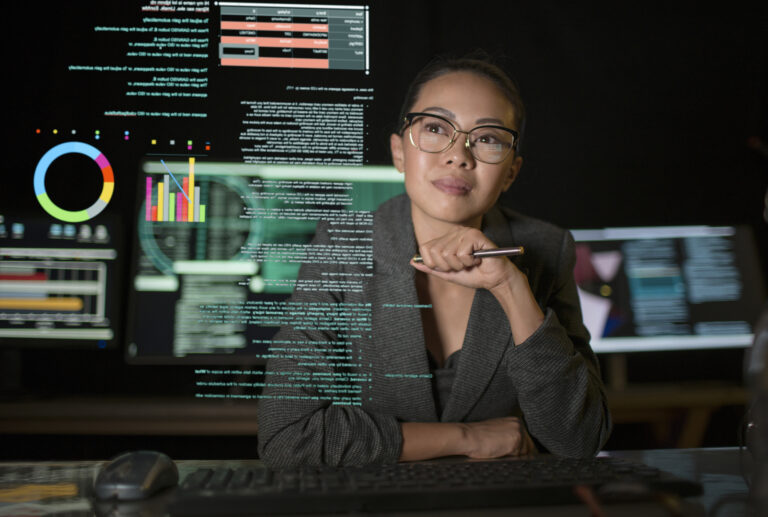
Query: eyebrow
x=451 y=115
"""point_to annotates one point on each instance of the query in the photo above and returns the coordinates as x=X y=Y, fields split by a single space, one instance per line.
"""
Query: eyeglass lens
x=487 y=144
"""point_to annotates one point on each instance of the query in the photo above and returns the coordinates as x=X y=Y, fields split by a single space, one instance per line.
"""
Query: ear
x=514 y=170
x=396 y=148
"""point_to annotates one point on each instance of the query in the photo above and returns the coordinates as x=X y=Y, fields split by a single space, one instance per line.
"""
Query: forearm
x=426 y=440
x=516 y=298
x=560 y=392
x=491 y=438
x=293 y=433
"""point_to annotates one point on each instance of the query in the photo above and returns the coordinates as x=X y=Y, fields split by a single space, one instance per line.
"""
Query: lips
x=453 y=186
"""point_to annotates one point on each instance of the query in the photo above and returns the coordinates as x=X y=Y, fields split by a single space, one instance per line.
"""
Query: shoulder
x=550 y=253
x=541 y=237
x=393 y=240
x=397 y=208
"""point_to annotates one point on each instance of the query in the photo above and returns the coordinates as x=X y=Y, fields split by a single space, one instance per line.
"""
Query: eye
x=487 y=136
x=435 y=126
x=487 y=139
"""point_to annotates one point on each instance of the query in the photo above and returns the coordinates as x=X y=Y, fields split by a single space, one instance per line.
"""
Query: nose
x=458 y=153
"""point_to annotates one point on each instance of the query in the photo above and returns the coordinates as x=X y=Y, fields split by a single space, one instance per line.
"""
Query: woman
x=467 y=356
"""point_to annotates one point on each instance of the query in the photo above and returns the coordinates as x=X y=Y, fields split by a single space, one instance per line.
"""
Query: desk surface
x=47 y=488
x=180 y=416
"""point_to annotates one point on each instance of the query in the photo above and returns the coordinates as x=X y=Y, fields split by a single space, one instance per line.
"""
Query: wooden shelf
x=129 y=416
x=680 y=409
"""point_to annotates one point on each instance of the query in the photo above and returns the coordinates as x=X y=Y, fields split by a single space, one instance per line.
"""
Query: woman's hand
x=450 y=258
x=487 y=439
x=497 y=437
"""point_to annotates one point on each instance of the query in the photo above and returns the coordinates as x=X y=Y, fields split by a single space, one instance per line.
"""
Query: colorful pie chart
x=73 y=216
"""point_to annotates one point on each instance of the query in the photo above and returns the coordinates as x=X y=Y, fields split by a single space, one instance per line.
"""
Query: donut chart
x=73 y=216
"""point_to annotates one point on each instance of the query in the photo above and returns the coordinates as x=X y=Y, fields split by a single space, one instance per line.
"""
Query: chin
x=451 y=209
x=454 y=216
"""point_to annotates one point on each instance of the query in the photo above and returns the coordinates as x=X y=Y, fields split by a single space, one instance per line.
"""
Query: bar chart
x=61 y=295
x=174 y=198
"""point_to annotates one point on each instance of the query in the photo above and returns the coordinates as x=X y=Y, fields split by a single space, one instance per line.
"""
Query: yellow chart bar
x=41 y=304
x=33 y=493
x=160 y=199
x=191 y=193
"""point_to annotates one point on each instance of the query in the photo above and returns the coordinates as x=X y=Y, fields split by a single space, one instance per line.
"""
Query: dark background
x=638 y=114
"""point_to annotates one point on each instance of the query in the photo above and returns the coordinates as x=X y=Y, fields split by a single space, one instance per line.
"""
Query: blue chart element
x=181 y=189
x=73 y=148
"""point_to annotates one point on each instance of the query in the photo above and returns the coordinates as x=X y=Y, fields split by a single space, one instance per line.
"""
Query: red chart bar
x=276 y=42
x=38 y=277
x=185 y=199
x=271 y=26
x=277 y=62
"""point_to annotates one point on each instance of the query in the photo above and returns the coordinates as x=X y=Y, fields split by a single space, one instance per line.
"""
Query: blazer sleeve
x=556 y=373
x=298 y=425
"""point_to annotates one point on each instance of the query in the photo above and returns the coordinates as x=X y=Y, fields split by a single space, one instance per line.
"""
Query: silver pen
x=494 y=252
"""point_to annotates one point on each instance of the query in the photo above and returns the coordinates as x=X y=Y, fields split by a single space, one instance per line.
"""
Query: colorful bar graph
x=166 y=202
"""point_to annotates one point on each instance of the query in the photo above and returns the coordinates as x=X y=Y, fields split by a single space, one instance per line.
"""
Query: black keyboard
x=543 y=480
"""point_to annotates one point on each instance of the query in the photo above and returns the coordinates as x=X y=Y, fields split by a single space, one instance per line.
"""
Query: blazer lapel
x=397 y=330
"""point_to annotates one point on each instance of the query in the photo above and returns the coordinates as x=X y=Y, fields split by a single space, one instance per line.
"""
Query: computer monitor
x=218 y=248
x=667 y=288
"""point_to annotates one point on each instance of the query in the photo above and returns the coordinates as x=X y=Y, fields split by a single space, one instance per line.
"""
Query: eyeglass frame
x=408 y=119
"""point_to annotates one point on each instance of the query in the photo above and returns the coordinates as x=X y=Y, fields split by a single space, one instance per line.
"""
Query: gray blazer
x=551 y=379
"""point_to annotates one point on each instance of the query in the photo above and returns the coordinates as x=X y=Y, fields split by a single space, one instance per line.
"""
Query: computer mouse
x=135 y=475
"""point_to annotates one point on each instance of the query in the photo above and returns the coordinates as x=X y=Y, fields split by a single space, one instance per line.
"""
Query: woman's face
x=452 y=186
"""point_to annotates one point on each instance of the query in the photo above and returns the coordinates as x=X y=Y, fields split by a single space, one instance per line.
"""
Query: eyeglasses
x=434 y=134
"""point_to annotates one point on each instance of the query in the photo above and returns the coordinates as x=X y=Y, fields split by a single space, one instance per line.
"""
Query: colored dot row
x=127 y=136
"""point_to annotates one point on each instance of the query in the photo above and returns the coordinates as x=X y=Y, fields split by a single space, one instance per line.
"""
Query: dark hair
x=476 y=63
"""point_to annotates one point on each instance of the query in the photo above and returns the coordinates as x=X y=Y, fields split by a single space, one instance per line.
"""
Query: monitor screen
x=148 y=109
x=218 y=248
x=668 y=287
x=57 y=282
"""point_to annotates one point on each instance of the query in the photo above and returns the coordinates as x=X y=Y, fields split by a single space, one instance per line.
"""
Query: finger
x=452 y=260
x=426 y=257
x=468 y=260
x=450 y=252
x=445 y=275
x=530 y=448
x=466 y=257
x=435 y=258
